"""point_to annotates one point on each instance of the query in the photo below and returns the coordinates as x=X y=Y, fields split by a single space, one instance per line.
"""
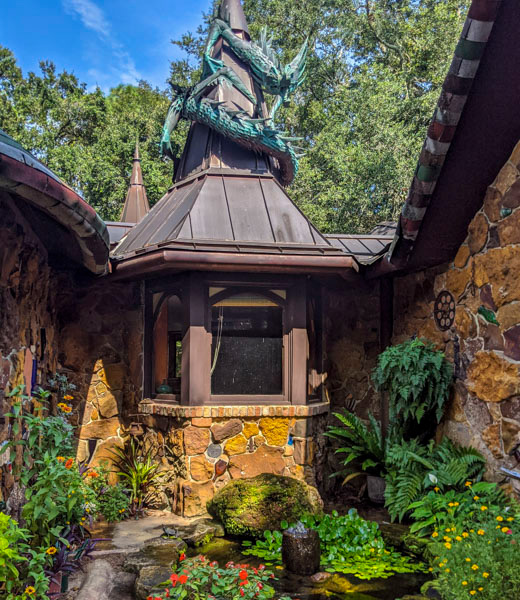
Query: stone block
x=508 y=315
x=195 y=497
x=506 y=177
x=236 y=445
x=477 y=412
x=492 y=378
x=200 y=468
x=250 y=429
x=509 y=229
x=222 y=431
x=501 y=268
x=202 y=421
x=492 y=438
x=477 y=233
x=100 y=429
x=512 y=196
x=304 y=450
x=510 y=434
x=512 y=342
x=461 y=257
x=275 y=430
x=214 y=450
x=511 y=408
x=196 y=440
x=302 y=428
x=265 y=460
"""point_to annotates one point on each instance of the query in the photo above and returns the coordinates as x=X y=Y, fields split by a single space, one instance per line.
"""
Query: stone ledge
x=151 y=407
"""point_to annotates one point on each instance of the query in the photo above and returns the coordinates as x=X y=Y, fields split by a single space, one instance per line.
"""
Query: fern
x=414 y=468
x=417 y=378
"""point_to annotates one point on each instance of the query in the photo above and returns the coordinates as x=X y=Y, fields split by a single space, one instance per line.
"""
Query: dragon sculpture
x=258 y=134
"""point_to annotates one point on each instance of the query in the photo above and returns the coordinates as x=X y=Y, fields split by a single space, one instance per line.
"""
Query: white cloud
x=93 y=18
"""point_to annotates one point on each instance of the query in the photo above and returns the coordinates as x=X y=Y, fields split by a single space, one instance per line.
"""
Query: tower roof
x=136 y=203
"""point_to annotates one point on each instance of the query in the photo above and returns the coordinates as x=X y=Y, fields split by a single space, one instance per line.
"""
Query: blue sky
x=103 y=42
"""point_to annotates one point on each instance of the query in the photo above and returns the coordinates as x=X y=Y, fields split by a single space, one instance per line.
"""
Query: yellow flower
x=476 y=498
x=435 y=534
x=464 y=583
x=436 y=489
x=510 y=518
x=465 y=534
x=456 y=504
x=483 y=507
x=278 y=567
x=29 y=590
x=473 y=592
x=446 y=538
x=474 y=567
x=505 y=529
x=447 y=570
x=480 y=588
x=448 y=545
x=481 y=532
x=485 y=575
x=430 y=569
x=451 y=504
x=500 y=518
x=60 y=458
x=468 y=484
x=52 y=550
x=472 y=531
x=468 y=559
x=458 y=538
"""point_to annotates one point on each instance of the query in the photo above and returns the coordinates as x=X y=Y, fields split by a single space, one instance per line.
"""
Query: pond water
x=337 y=587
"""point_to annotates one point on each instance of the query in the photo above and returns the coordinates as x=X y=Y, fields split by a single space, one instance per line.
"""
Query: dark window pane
x=247 y=344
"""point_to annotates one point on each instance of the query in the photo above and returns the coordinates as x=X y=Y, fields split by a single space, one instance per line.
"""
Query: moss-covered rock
x=248 y=507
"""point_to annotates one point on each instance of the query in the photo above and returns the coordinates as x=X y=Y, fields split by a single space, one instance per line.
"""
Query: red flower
x=173 y=578
x=182 y=556
x=243 y=574
x=69 y=463
x=167 y=593
x=242 y=592
x=509 y=532
x=183 y=579
x=245 y=582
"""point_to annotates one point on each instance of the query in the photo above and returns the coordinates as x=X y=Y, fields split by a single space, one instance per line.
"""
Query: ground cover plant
x=62 y=497
x=349 y=544
x=198 y=578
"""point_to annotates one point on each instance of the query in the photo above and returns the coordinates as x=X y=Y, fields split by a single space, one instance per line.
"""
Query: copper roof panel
x=209 y=216
x=249 y=216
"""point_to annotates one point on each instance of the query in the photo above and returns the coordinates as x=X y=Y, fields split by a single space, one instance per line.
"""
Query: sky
x=103 y=42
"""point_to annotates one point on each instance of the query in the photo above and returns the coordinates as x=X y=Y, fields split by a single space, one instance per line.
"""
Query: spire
x=232 y=12
x=136 y=203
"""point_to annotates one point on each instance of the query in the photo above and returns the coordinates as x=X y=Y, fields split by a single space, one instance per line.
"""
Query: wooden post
x=298 y=343
x=196 y=345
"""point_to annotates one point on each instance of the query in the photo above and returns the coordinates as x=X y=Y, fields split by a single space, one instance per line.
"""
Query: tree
x=373 y=78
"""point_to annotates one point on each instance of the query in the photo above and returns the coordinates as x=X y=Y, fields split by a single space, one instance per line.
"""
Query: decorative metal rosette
x=444 y=310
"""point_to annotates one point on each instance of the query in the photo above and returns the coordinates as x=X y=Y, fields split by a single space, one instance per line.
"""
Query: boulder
x=150 y=579
x=98 y=583
x=248 y=507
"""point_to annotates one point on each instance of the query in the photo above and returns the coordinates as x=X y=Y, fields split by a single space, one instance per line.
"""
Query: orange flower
x=68 y=397
x=93 y=474
x=60 y=458
x=67 y=409
x=52 y=550
x=69 y=463
x=183 y=579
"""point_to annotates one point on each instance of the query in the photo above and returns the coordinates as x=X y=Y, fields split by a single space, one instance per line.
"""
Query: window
x=167 y=343
x=247 y=344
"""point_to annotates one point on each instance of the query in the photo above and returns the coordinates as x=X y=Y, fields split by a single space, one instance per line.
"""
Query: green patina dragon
x=267 y=71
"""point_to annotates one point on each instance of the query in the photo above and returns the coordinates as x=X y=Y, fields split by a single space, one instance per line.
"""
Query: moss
x=248 y=507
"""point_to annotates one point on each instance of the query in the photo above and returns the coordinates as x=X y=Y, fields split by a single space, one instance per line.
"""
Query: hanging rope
x=218 y=341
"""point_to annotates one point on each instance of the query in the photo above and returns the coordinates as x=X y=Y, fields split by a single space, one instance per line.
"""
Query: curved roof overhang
x=23 y=177
x=165 y=261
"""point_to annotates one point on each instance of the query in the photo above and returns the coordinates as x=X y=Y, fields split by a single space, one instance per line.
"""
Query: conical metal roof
x=136 y=203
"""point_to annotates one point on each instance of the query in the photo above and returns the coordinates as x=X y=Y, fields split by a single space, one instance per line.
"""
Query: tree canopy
x=374 y=74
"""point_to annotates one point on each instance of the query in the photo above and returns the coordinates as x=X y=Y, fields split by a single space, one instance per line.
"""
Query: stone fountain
x=301 y=550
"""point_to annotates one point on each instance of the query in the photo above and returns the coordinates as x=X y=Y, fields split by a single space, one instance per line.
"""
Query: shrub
x=478 y=560
x=437 y=510
x=22 y=572
x=110 y=501
x=414 y=468
x=198 y=578
x=417 y=378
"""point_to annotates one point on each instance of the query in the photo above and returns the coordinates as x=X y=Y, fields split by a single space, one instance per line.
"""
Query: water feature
x=301 y=550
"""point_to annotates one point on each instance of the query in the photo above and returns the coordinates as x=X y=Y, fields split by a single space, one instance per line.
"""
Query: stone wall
x=101 y=348
x=27 y=316
x=484 y=341
x=200 y=449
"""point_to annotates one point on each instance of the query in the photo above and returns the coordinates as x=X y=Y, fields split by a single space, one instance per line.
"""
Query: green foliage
x=197 y=578
x=374 y=74
x=87 y=137
x=269 y=549
x=137 y=471
x=481 y=562
x=436 y=510
x=21 y=568
x=349 y=544
x=417 y=378
x=364 y=443
x=413 y=468
x=110 y=501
